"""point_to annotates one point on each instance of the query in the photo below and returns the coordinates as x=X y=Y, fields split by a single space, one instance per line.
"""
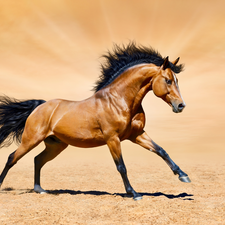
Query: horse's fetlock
x=130 y=190
x=176 y=169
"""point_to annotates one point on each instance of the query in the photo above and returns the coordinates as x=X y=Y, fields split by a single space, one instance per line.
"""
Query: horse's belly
x=80 y=142
x=79 y=135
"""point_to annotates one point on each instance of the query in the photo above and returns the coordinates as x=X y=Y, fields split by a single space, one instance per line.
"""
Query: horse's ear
x=176 y=61
x=165 y=63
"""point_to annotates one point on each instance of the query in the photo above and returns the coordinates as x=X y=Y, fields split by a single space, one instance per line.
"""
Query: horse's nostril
x=181 y=106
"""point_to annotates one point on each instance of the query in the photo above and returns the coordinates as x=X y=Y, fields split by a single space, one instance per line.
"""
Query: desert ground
x=52 y=49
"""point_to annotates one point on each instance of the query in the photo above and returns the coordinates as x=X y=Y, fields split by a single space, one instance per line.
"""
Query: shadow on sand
x=183 y=196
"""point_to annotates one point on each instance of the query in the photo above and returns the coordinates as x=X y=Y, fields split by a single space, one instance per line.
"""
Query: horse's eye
x=168 y=81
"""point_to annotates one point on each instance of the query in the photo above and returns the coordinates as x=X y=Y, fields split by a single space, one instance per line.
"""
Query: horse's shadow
x=183 y=196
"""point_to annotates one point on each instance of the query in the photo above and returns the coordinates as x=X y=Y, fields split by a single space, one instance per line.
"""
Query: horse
x=112 y=114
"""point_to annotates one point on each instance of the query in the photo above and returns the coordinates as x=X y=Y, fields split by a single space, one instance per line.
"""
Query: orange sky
x=51 y=49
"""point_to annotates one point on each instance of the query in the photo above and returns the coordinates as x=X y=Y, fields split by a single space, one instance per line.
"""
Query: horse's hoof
x=43 y=192
x=38 y=189
x=185 y=179
x=137 y=198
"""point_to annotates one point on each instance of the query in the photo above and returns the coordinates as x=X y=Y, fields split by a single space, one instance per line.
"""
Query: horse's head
x=165 y=86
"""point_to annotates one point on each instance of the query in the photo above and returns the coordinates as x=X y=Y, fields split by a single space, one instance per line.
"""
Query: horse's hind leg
x=145 y=141
x=53 y=147
x=25 y=146
x=7 y=167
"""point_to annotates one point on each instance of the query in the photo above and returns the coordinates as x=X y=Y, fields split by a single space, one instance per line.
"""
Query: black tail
x=13 y=116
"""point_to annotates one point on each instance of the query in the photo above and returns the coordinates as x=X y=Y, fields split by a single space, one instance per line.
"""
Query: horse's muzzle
x=178 y=108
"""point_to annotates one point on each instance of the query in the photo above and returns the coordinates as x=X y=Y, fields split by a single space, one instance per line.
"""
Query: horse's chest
x=127 y=126
x=121 y=124
x=138 y=122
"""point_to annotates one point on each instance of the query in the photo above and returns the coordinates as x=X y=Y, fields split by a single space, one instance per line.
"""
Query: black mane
x=125 y=57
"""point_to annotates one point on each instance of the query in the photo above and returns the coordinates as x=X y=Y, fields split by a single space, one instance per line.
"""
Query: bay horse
x=112 y=114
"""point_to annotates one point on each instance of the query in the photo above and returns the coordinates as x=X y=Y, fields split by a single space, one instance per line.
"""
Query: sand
x=52 y=50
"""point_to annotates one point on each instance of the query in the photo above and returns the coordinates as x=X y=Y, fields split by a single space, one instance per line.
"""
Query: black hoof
x=137 y=197
x=185 y=179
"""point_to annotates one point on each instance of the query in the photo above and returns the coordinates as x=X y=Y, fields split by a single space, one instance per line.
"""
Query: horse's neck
x=139 y=97
x=134 y=84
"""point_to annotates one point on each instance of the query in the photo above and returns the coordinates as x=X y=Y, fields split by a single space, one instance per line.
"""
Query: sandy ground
x=51 y=49
x=86 y=191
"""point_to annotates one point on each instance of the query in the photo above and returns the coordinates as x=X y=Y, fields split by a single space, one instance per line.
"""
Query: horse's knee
x=121 y=169
x=161 y=152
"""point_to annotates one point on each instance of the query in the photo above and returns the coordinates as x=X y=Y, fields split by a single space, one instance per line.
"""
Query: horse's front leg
x=115 y=149
x=145 y=141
